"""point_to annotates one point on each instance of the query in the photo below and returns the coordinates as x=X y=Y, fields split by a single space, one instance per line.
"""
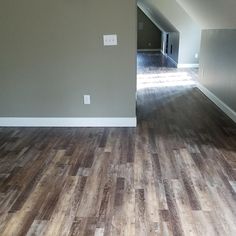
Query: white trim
x=149 y=50
x=163 y=53
x=171 y=59
x=225 y=108
x=166 y=55
x=68 y=122
x=188 y=66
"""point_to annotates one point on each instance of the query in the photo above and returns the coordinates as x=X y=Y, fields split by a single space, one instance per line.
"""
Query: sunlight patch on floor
x=168 y=79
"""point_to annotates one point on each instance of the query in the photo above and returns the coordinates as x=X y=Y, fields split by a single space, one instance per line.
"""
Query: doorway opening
x=158 y=78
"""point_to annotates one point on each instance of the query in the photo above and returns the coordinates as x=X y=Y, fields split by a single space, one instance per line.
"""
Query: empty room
x=117 y=118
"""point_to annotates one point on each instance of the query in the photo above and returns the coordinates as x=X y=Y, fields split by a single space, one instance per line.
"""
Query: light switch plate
x=110 y=40
x=87 y=99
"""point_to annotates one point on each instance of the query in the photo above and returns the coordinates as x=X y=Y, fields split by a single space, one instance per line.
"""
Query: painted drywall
x=212 y=14
x=149 y=36
x=217 y=64
x=52 y=54
x=189 y=30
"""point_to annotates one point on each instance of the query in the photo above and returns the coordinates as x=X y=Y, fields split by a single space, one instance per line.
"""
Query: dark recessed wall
x=149 y=36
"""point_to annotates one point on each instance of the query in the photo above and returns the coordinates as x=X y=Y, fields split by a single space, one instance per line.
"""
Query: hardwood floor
x=175 y=174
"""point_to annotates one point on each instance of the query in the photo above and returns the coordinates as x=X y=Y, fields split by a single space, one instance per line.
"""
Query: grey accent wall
x=149 y=36
x=218 y=64
x=52 y=53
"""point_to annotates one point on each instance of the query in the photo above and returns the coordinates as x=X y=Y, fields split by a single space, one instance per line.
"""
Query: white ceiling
x=211 y=14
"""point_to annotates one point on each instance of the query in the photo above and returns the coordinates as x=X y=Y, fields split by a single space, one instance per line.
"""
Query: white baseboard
x=166 y=55
x=181 y=65
x=225 y=108
x=171 y=59
x=68 y=122
x=188 y=66
x=163 y=53
x=149 y=50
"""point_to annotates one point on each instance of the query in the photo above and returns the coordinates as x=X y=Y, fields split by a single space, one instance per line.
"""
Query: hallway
x=194 y=144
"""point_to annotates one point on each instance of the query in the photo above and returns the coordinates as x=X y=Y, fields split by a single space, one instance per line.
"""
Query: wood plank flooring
x=152 y=59
x=175 y=174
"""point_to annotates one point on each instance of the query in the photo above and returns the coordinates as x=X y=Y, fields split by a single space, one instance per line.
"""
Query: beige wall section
x=149 y=36
x=52 y=54
x=217 y=64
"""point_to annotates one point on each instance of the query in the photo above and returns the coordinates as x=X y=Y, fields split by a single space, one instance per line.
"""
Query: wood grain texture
x=175 y=174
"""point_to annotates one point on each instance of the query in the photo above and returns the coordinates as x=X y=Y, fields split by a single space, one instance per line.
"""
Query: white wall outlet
x=87 y=100
x=196 y=55
x=110 y=40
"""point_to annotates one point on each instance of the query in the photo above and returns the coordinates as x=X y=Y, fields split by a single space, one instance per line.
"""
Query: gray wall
x=52 y=54
x=149 y=36
x=189 y=45
x=218 y=64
